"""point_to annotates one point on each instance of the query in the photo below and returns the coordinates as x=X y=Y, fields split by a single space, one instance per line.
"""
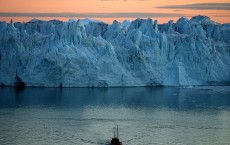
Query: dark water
x=86 y=116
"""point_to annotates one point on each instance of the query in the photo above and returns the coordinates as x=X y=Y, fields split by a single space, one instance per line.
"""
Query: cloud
x=178 y=10
x=200 y=6
x=93 y=15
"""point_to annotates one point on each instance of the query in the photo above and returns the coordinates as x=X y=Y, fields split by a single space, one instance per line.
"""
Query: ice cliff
x=96 y=54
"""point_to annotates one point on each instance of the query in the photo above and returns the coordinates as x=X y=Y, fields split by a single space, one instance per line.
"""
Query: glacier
x=188 y=52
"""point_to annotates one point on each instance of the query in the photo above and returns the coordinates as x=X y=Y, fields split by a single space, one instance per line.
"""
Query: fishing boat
x=115 y=140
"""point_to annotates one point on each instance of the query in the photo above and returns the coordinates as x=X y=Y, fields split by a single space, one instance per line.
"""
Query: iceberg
x=90 y=53
x=126 y=23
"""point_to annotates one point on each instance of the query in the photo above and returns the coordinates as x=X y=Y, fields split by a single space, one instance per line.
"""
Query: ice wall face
x=144 y=53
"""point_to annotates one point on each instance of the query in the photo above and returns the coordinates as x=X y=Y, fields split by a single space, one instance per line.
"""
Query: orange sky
x=109 y=6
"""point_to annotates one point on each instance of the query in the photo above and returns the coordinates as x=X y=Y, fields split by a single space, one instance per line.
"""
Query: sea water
x=86 y=116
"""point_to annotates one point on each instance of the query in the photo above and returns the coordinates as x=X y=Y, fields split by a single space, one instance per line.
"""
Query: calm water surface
x=84 y=116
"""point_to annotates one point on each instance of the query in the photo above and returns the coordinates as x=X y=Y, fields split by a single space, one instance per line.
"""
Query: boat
x=115 y=140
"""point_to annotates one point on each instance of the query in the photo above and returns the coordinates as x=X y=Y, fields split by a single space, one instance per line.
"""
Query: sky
x=109 y=10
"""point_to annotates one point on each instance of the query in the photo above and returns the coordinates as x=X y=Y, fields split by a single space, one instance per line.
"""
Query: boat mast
x=114 y=133
x=117 y=131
